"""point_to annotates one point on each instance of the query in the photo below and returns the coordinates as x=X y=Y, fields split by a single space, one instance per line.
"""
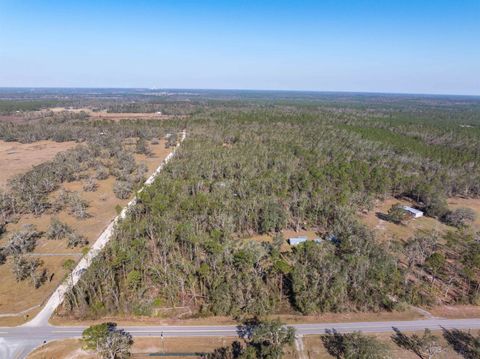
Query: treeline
x=241 y=173
x=67 y=126
x=11 y=106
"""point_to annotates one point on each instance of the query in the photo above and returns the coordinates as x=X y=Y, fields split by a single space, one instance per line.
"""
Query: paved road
x=13 y=342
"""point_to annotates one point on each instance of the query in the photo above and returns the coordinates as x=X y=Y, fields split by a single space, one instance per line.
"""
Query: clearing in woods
x=386 y=230
x=16 y=157
x=115 y=116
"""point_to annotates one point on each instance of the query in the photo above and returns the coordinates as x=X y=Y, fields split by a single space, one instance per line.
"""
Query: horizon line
x=237 y=89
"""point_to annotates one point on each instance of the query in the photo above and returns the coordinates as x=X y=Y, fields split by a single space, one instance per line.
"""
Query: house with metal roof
x=414 y=212
x=295 y=241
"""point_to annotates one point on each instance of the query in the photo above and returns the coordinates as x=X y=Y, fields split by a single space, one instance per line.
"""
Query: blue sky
x=377 y=46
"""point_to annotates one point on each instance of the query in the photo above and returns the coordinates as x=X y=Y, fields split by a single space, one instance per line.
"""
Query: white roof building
x=297 y=240
x=414 y=212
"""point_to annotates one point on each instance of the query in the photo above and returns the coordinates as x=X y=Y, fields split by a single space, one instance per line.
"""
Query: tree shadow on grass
x=405 y=342
x=382 y=216
x=464 y=343
x=333 y=342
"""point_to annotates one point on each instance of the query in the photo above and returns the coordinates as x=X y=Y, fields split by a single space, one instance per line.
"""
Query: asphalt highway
x=17 y=342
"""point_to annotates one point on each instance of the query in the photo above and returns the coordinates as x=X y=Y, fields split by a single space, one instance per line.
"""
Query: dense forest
x=262 y=167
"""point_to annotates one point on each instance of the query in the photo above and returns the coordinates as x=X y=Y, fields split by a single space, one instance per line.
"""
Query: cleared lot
x=16 y=158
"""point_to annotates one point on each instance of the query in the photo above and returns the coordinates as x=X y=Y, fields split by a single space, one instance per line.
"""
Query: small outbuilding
x=294 y=241
x=415 y=213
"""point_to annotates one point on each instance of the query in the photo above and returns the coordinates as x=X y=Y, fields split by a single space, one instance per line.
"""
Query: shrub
x=138 y=176
x=90 y=185
x=23 y=241
x=7 y=205
x=77 y=206
x=24 y=268
x=122 y=189
x=461 y=217
x=3 y=256
x=102 y=173
x=58 y=230
x=436 y=206
x=68 y=264
x=125 y=162
x=61 y=201
x=397 y=214
x=171 y=140
x=75 y=240
x=141 y=146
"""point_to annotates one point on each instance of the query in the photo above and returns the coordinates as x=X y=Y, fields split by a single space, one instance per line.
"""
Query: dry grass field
x=72 y=348
x=16 y=158
x=456 y=311
x=20 y=296
x=313 y=348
